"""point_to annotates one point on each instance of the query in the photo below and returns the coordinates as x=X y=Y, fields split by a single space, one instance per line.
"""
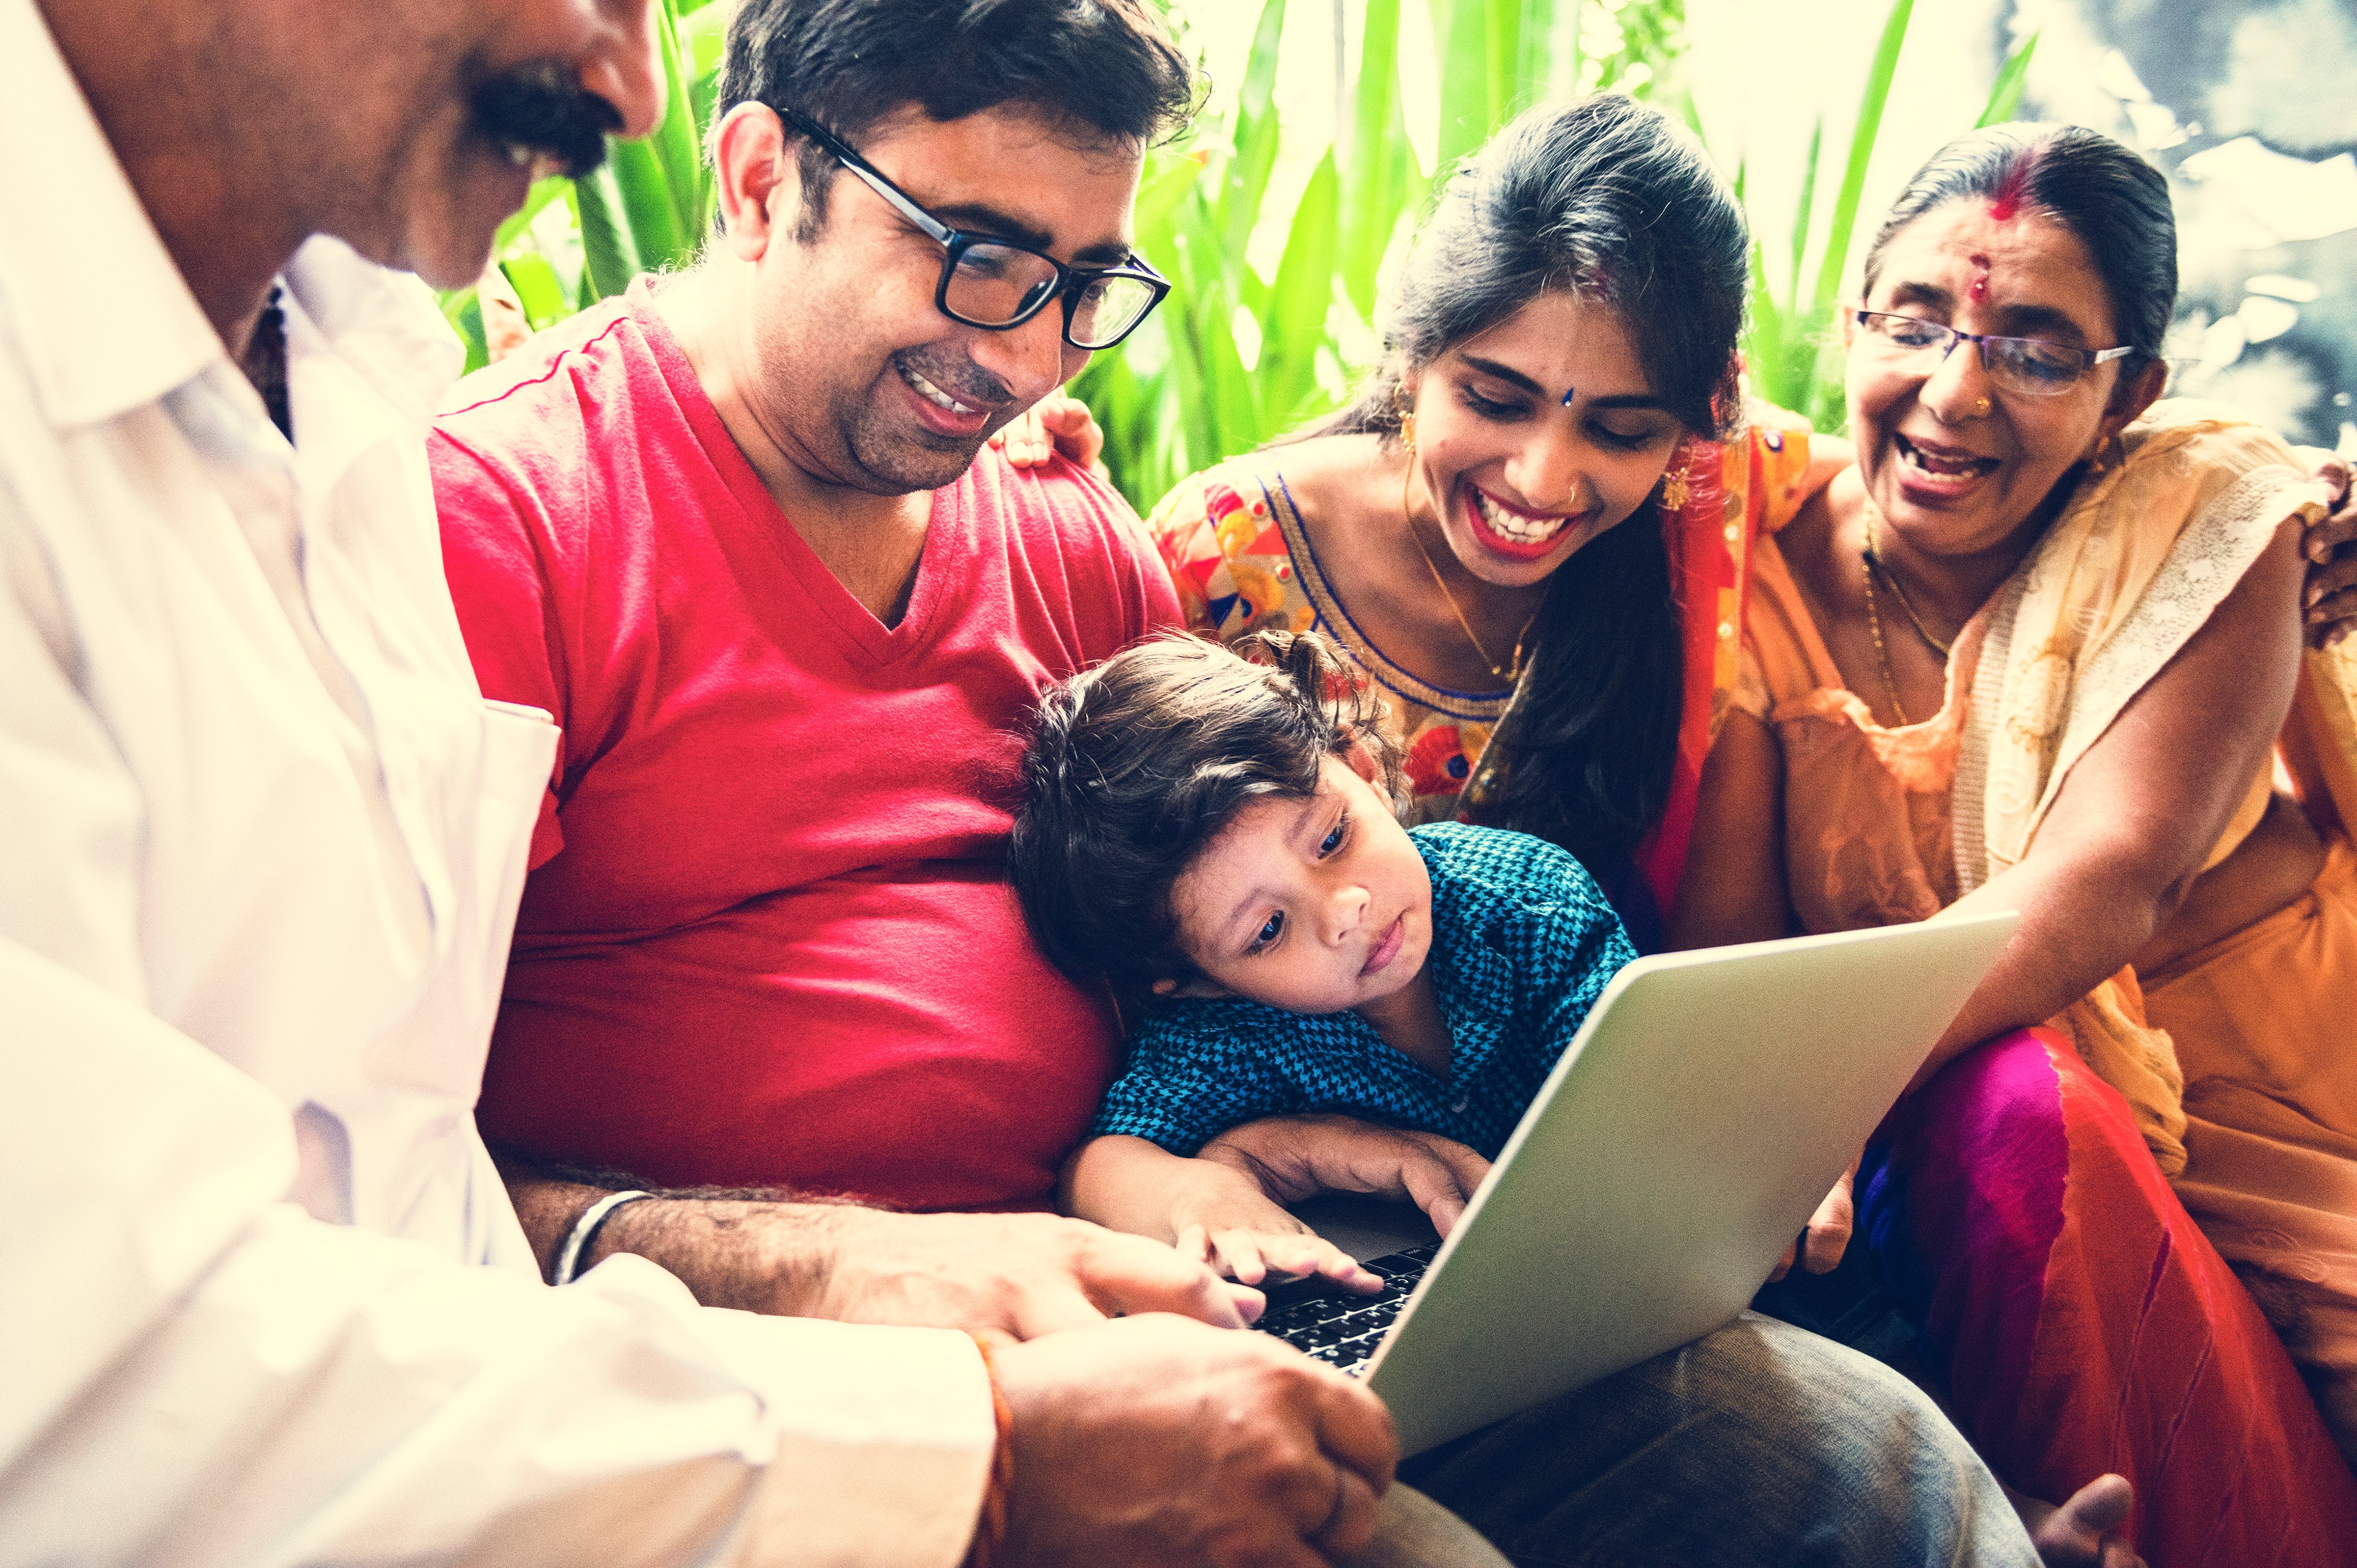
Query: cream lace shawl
x=2123 y=578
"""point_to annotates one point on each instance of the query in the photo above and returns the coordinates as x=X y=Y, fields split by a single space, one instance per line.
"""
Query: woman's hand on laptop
x=1295 y=1157
x=1826 y=1237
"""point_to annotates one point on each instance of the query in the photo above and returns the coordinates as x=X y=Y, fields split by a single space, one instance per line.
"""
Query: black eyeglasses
x=2033 y=367
x=996 y=283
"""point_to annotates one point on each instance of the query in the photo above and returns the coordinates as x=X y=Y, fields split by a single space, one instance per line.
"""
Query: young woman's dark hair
x=1105 y=67
x=1134 y=766
x=2115 y=202
x=1620 y=203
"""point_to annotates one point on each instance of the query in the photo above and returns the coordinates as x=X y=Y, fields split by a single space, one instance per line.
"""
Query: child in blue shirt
x=1215 y=834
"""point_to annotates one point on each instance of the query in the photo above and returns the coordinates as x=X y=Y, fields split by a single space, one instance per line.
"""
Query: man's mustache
x=542 y=107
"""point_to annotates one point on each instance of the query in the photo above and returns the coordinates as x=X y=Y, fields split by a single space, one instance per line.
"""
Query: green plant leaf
x=1502 y=54
x=1861 y=152
x=463 y=308
x=1534 y=69
x=1233 y=418
x=2005 y=98
x=1370 y=181
x=675 y=144
x=1465 y=80
x=1293 y=325
x=702 y=34
x=609 y=250
x=1808 y=203
x=538 y=289
x=1256 y=136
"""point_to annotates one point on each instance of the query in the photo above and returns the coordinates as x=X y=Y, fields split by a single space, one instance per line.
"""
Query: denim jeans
x=1760 y=1446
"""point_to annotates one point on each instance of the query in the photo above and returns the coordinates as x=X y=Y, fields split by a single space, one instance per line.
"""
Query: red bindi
x=2005 y=202
x=1980 y=279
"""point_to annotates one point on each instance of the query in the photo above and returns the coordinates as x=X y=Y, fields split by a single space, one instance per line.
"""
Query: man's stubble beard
x=866 y=442
x=890 y=457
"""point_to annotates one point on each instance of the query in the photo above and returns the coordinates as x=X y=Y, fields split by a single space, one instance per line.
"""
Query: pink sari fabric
x=2086 y=1325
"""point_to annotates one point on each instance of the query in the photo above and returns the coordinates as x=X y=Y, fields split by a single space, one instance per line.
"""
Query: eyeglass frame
x=1980 y=342
x=954 y=244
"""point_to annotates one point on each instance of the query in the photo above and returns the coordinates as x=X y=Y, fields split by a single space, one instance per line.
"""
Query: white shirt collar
x=383 y=325
x=102 y=316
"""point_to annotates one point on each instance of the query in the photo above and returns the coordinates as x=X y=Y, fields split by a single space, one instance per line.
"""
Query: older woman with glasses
x=2037 y=650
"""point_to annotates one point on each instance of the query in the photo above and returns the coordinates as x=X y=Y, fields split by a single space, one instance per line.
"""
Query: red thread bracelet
x=990 y=1529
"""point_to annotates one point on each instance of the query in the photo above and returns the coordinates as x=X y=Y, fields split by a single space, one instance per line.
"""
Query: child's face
x=1313 y=905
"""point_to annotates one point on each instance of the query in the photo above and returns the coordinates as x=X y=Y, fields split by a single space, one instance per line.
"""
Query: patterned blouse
x=1243 y=562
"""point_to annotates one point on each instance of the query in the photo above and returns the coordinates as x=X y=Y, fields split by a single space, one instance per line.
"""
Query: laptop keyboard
x=1338 y=1326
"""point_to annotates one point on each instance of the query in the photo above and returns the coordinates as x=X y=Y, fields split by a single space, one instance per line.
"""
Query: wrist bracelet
x=990 y=1528
x=585 y=1231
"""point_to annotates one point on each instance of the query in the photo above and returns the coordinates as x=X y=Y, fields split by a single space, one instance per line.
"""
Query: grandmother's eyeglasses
x=2033 y=367
x=997 y=285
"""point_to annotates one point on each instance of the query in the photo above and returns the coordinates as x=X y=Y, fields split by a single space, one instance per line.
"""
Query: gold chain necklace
x=1870 y=561
x=1509 y=673
x=1874 y=557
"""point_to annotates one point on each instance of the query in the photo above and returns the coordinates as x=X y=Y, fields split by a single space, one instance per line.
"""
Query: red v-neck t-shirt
x=768 y=938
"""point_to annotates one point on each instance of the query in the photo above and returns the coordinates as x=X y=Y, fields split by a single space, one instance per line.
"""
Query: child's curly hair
x=1135 y=765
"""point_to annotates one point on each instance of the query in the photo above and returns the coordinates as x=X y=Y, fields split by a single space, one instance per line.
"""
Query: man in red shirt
x=732 y=533
x=738 y=533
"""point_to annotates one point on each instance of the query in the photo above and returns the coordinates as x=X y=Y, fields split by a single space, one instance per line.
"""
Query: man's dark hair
x=1134 y=766
x=1105 y=68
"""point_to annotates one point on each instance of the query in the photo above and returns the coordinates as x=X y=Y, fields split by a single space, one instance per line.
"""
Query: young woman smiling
x=1559 y=360
x=2034 y=652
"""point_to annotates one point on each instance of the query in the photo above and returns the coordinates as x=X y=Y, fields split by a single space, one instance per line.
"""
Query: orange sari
x=2084 y=1321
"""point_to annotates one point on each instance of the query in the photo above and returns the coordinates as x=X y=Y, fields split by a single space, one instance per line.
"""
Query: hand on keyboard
x=1293 y=1157
x=1246 y=1237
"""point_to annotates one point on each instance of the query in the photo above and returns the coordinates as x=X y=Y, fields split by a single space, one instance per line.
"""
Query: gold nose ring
x=1981 y=408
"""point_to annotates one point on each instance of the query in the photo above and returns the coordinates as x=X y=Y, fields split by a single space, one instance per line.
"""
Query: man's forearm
x=748 y=1248
x=1023 y=1274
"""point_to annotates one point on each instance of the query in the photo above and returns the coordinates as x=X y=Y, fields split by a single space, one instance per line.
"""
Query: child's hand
x=1056 y=424
x=1249 y=1238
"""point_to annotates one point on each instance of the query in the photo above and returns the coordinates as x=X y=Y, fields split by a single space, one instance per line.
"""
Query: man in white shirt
x=265 y=1299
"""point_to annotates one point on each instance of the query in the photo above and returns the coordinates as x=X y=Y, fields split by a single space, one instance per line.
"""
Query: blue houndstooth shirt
x=1523 y=943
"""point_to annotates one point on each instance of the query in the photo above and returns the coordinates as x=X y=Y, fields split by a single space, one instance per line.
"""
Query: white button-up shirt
x=262 y=1299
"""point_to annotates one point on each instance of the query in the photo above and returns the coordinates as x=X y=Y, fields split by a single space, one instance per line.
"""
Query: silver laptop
x=1686 y=1135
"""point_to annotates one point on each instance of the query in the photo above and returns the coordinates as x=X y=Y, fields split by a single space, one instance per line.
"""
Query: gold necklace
x=1874 y=558
x=1868 y=561
x=1508 y=672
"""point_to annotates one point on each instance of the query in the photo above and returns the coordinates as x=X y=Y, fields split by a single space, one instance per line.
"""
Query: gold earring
x=1408 y=431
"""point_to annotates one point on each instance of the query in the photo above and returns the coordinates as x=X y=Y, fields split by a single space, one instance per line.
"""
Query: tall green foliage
x=1235 y=358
